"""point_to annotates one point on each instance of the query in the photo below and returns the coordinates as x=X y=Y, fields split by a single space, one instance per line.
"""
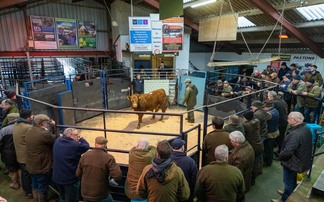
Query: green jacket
x=230 y=128
x=174 y=188
x=12 y=109
x=242 y=157
x=138 y=159
x=190 y=97
x=227 y=91
x=312 y=92
x=299 y=88
x=212 y=140
x=219 y=182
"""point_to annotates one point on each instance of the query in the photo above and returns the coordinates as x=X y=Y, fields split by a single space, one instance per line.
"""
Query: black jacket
x=7 y=147
x=281 y=106
x=296 y=149
x=189 y=168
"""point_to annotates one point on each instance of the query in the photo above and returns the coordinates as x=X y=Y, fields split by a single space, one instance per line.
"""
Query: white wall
x=182 y=60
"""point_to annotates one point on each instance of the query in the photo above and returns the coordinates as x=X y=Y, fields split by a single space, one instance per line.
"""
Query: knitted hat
x=101 y=140
x=248 y=115
x=283 y=64
x=10 y=94
x=311 y=80
x=12 y=116
x=298 y=78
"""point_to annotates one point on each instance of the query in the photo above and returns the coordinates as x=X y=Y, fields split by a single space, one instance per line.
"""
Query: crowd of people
x=233 y=155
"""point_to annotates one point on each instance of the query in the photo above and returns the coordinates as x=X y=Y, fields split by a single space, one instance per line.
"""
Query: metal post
x=261 y=93
x=199 y=148
x=30 y=68
x=181 y=126
x=313 y=153
x=104 y=90
x=205 y=131
x=104 y=123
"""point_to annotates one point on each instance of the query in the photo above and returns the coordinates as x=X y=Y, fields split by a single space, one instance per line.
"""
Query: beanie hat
x=25 y=113
x=177 y=144
x=297 y=78
x=248 y=115
x=10 y=94
x=311 y=80
x=283 y=64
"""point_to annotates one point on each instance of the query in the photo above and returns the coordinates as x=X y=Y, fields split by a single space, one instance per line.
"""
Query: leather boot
x=35 y=195
x=42 y=196
x=14 y=180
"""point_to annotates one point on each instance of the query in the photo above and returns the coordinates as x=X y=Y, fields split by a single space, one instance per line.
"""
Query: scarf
x=159 y=168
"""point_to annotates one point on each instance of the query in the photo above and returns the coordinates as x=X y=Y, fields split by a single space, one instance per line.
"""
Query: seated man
x=227 y=91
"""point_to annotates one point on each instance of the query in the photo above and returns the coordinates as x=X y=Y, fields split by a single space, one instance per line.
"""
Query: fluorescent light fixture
x=243 y=22
x=187 y=1
x=315 y=12
x=201 y=3
x=283 y=36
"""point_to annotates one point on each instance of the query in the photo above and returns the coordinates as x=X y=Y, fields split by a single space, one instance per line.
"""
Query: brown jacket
x=242 y=157
x=95 y=168
x=174 y=188
x=212 y=140
x=219 y=181
x=39 y=155
x=138 y=159
x=19 y=137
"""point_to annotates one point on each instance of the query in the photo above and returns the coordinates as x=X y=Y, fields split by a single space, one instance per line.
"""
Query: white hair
x=273 y=94
x=297 y=116
x=142 y=144
x=68 y=132
x=221 y=153
x=237 y=136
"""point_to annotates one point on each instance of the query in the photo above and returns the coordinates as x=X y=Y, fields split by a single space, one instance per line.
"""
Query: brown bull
x=154 y=100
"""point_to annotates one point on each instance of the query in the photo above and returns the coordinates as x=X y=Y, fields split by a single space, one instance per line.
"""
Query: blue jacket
x=138 y=86
x=274 y=121
x=66 y=155
x=189 y=168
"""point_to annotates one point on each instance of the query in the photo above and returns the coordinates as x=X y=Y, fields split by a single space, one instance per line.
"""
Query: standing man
x=187 y=164
x=139 y=157
x=242 y=156
x=295 y=155
x=95 y=168
x=163 y=180
x=281 y=106
x=8 y=106
x=162 y=70
x=138 y=85
x=67 y=152
x=314 y=74
x=263 y=117
x=297 y=87
x=283 y=70
x=313 y=95
x=215 y=138
x=220 y=181
x=39 y=143
x=234 y=123
x=23 y=123
x=190 y=99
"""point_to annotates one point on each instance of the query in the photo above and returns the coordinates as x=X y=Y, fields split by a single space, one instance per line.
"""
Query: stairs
x=318 y=187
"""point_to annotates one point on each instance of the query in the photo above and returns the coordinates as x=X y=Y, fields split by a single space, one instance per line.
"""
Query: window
x=243 y=22
x=315 y=12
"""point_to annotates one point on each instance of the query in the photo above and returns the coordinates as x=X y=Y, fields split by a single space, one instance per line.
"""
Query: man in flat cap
x=296 y=87
x=96 y=166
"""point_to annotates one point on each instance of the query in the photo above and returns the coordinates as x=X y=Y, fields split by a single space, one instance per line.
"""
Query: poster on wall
x=66 y=33
x=87 y=34
x=140 y=34
x=157 y=46
x=172 y=30
x=303 y=60
x=43 y=31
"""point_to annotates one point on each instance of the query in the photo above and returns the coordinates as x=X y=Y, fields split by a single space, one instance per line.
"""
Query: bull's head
x=133 y=100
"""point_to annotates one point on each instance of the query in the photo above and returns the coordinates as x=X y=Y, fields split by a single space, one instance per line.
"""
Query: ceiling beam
x=9 y=3
x=276 y=41
x=194 y=26
x=303 y=38
x=288 y=6
x=318 y=23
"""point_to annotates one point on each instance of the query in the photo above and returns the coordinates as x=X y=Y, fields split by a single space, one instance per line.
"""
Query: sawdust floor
x=128 y=122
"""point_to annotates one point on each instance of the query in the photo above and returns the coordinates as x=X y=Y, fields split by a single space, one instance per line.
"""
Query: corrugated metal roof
x=315 y=12
x=13 y=33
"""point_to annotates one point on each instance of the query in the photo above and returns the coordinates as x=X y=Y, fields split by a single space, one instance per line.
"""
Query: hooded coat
x=174 y=188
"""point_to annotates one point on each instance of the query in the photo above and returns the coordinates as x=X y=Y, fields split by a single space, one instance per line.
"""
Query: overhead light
x=283 y=36
x=201 y=3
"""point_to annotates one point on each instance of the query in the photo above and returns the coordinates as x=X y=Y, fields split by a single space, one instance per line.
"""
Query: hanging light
x=283 y=36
